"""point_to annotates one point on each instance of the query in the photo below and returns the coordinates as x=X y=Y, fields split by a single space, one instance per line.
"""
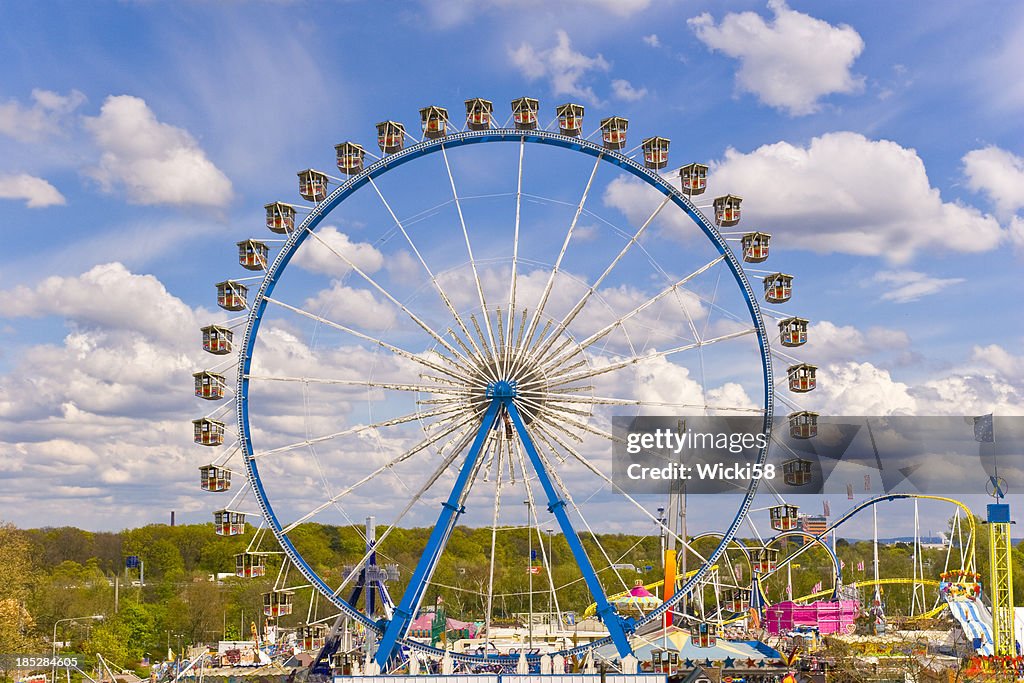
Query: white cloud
x=155 y=162
x=107 y=296
x=831 y=343
x=996 y=357
x=320 y=255
x=848 y=194
x=561 y=65
x=863 y=389
x=999 y=174
x=624 y=90
x=1016 y=229
x=904 y=286
x=36 y=192
x=352 y=306
x=45 y=118
x=789 y=62
x=652 y=40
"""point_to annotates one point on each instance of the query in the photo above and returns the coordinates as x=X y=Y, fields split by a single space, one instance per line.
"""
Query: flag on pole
x=817 y=587
x=983 y=431
x=867 y=482
x=849 y=491
x=860 y=566
x=533 y=570
x=825 y=509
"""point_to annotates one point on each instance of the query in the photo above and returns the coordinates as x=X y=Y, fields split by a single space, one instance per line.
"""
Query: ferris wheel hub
x=502 y=389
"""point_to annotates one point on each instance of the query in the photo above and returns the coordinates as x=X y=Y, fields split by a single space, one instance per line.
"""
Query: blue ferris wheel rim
x=379 y=168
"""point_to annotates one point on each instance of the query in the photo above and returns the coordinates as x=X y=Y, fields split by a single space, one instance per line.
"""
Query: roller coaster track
x=818 y=539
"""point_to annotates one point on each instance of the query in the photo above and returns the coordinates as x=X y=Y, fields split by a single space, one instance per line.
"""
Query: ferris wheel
x=440 y=338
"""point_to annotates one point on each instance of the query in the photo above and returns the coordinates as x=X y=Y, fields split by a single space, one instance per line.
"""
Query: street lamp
x=529 y=545
x=53 y=643
x=551 y=565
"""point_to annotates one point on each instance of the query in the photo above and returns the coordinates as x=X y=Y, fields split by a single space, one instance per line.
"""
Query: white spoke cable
x=539 y=310
x=465 y=437
x=379 y=342
x=412 y=417
x=553 y=359
x=515 y=257
x=402 y=307
x=557 y=380
x=433 y=279
x=422 y=388
x=472 y=261
x=571 y=315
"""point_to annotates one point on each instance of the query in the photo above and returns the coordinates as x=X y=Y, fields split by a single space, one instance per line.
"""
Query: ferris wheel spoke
x=463 y=440
x=515 y=258
x=402 y=307
x=433 y=278
x=553 y=359
x=556 y=504
x=551 y=397
x=533 y=522
x=558 y=380
x=571 y=315
x=460 y=376
x=538 y=311
x=439 y=536
x=411 y=417
x=422 y=445
x=494 y=543
x=492 y=347
x=579 y=457
x=579 y=513
x=420 y=388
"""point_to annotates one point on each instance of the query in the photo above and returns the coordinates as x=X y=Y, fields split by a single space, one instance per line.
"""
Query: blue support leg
x=556 y=505
x=450 y=511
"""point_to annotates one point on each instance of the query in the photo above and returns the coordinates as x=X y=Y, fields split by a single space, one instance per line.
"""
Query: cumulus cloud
x=36 y=192
x=652 y=40
x=624 y=90
x=832 y=343
x=107 y=296
x=45 y=118
x=321 y=255
x=154 y=162
x=997 y=173
x=565 y=68
x=904 y=286
x=845 y=193
x=353 y=306
x=789 y=62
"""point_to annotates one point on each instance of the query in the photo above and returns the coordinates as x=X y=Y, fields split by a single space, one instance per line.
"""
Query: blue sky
x=879 y=143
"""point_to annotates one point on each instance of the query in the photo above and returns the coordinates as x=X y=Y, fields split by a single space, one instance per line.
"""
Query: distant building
x=812 y=525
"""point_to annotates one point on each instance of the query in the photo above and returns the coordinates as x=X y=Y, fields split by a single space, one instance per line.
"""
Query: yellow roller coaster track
x=968 y=515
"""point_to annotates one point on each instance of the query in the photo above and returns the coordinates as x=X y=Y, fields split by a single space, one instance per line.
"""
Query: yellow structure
x=1001 y=586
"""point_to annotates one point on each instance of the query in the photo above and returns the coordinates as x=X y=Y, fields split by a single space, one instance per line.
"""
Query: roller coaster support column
x=1001 y=585
x=669 y=585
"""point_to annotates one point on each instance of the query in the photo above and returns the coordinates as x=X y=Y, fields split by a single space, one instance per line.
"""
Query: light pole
x=53 y=643
x=529 y=545
x=551 y=565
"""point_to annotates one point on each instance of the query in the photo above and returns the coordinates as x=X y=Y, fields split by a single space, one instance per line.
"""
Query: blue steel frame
x=321 y=210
